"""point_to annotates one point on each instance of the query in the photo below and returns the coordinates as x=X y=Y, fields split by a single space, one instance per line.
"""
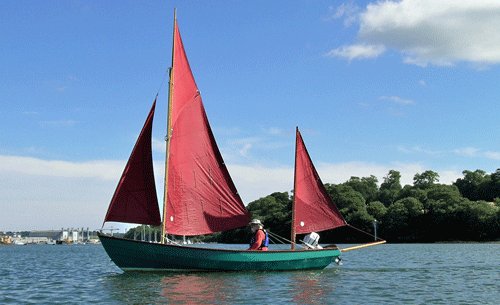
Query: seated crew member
x=260 y=240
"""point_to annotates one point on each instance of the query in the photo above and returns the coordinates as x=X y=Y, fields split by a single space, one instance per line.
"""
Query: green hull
x=138 y=255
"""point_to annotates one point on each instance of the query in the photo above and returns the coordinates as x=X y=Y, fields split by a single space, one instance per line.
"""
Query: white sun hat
x=255 y=222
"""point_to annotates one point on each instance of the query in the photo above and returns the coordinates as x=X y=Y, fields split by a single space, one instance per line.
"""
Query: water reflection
x=315 y=287
x=297 y=287
x=197 y=288
x=133 y=287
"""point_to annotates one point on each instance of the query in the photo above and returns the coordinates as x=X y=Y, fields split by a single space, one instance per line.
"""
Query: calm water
x=390 y=274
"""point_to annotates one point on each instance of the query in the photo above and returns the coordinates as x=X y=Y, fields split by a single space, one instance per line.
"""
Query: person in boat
x=260 y=239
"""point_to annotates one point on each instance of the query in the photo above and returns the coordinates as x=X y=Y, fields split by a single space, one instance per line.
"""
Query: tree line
x=427 y=211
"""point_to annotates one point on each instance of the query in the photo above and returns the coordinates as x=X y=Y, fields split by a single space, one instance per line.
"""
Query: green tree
x=477 y=220
x=377 y=209
x=470 y=183
x=415 y=192
x=413 y=206
x=425 y=179
x=274 y=211
x=361 y=220
x=441 y=205
x=491 y=188
x=366 y=186
x=400 y=223
x=447 y=193
x=390 y=188
x=346 y=198
x=144 y=232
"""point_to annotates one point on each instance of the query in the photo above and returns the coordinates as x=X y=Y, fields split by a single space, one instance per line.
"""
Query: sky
x=373 y=86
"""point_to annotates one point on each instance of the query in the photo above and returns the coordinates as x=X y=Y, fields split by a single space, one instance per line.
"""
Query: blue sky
x=373 y=86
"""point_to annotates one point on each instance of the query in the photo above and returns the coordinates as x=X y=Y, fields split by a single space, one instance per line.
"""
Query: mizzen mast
x=293 y=235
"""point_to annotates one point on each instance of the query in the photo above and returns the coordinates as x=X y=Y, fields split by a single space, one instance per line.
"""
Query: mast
x=294 y=194
x=169 y=132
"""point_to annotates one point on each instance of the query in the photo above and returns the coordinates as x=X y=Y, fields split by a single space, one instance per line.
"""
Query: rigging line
x=281 y=242
x=275 y=235
x=279 y=237
x=287 y=241
x=167 y=72
x=283 y=238
x=378 y=238
x=272 y=240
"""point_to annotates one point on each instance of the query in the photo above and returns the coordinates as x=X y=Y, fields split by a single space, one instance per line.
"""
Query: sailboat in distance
x=200 y=196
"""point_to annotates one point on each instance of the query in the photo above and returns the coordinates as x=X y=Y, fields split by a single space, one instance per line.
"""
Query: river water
x=386 y=274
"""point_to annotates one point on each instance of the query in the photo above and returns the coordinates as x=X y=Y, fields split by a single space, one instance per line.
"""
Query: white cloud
x=440 y=33
x=418 y=149
x=467 y=151
x=274 y=131
x=41 y=194
x=392 y=105
x=256 y=181
x=245 y=149
x=348 y=11
x=242 y=146
x=357 y=51
x=476 y=152
x=38 y=194
x=470 y=152
x=269 y=139
x=158 y=145
x=58 y=123
x=101 y=169
x=494 y=155
x=397 y=100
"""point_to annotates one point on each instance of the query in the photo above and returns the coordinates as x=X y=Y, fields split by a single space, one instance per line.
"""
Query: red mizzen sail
x=135 y=198
x=314 y=211
x=201 y=197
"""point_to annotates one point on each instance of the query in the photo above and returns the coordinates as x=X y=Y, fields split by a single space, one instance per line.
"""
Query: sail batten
x=313 y=210
x=201 y=196
x=135 y=200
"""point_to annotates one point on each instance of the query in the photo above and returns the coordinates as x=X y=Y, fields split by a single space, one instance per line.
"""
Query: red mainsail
x=201 y=197
x=314 y=211
x=134 y=200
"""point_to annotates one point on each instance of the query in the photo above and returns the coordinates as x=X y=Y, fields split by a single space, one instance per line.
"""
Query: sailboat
x=201 y=198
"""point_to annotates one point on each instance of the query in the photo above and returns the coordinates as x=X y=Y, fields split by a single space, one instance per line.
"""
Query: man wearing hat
x=260 y=240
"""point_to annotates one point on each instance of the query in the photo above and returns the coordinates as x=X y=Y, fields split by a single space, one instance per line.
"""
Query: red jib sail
x=314 y=211
x=201 y=197
x=134 y=200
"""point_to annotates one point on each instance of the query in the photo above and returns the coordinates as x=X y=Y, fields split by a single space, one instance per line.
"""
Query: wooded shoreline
x=468 y=210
